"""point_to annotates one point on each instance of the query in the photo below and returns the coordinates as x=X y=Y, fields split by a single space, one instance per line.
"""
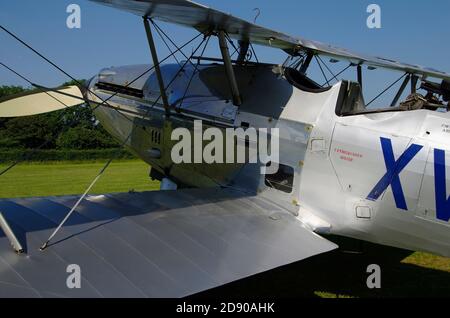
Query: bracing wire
x=83 y=196
x=329 y=70
x=167 y=45
x=386 y=89
x=33 y=84
x=339 y=73
x=254 y=53
x=157 y=27
x=193 y=73
x=321 y=69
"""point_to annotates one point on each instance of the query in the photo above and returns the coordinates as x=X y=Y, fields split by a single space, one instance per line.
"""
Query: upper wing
x=151 y=244
x=188 y=13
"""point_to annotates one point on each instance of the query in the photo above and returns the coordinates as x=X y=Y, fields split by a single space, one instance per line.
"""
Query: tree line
x=67 y=129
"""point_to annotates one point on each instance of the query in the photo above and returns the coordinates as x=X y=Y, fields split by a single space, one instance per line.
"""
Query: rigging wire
x=346 y=68
x=170 y=40
x=329 y=70
x=321 y=69
x=296 y=62
x=177 y=73
x=193 y=73
x=254 y=53
x=236 y=49
x=167 y=45
x=33 y=84
x=388 y=88
x=83 y=196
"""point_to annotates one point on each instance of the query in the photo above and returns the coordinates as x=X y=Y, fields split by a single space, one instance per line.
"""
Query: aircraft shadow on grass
x=341 y=273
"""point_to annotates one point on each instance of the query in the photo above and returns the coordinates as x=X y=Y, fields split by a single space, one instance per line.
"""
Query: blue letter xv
x=391 y=178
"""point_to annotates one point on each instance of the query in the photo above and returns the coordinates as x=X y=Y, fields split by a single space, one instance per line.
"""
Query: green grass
x=63 y=178
x=332 y=275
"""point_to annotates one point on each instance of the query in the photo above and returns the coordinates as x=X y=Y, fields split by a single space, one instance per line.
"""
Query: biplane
x=344 y=168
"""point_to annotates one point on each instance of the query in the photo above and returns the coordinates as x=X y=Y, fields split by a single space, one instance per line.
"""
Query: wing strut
x=229 y=68
x=401 y=90
x=360 y=77
x=151 y=44
x=10 y=235
x=306 y=63
x=414 y=80
x=243 y=50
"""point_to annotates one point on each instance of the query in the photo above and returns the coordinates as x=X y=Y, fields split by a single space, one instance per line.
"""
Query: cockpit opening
x=303 y=82
x=436 y=97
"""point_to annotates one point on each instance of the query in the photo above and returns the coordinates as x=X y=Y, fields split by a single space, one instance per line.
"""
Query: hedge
x=63 y=155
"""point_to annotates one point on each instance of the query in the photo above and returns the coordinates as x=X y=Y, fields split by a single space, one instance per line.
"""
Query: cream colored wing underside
x=41 y=102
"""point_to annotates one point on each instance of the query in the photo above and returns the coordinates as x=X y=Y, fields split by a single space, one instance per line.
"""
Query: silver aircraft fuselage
x=380 y=177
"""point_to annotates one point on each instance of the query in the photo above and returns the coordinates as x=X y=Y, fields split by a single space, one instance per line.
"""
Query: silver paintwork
x=310 y=133
x=152 y=244
x=175 y=243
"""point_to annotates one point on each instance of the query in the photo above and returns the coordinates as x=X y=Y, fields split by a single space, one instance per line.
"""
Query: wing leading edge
x=151 y=244
x=191 y=14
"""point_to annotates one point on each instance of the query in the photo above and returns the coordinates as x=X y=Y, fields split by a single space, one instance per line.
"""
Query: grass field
x=62 y=178
x=335 y=274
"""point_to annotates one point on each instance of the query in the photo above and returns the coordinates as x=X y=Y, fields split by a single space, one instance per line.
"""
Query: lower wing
x=40 y=101
x=150 y=244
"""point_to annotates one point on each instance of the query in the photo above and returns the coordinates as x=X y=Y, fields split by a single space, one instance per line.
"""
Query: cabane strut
x=152 y=46
x=229 y=68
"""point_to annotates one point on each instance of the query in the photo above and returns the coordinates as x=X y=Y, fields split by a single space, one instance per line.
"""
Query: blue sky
x=412 y=31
